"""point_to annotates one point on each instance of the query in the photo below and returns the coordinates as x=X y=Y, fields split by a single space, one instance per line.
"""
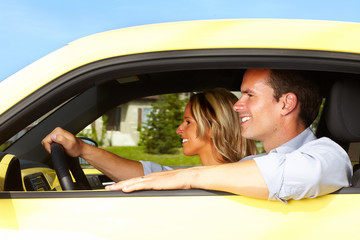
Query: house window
x=143 y=115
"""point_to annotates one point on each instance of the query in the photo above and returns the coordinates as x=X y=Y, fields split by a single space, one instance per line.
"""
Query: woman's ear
x=209 y=133
x=289 y=102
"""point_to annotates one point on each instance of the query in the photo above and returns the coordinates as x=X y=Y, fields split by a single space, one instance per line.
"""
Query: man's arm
x=115 y=167
x=243 y=178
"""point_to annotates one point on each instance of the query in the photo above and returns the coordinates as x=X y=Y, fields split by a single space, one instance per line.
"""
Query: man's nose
x=238 y=106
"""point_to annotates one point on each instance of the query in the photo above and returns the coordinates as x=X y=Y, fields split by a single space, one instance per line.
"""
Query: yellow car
x=78 y=83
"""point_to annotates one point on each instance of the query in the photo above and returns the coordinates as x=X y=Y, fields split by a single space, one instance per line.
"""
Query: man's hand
x=175 y=179
x=243 y=178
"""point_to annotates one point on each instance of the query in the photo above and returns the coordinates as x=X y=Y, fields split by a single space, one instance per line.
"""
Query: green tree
x=158 y=134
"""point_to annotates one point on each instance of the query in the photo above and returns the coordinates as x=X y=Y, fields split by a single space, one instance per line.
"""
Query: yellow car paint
x=197 y=217
x=210 y=34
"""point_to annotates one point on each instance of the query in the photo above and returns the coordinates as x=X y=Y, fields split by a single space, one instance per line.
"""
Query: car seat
x=342 y=117
x=10 y=173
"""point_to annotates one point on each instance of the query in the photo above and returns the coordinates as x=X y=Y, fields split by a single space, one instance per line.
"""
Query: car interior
x=79 y=97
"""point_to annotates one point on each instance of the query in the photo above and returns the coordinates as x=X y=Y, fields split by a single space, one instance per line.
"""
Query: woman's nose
x=179 y=130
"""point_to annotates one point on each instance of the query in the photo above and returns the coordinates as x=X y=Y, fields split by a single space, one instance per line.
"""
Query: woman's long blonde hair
x=213 y=110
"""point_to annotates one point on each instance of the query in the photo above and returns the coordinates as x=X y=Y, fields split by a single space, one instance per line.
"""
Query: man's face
x=257 y=107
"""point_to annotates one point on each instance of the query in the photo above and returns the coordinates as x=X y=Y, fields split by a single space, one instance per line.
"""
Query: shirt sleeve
x=150 y=167
x=317 y=168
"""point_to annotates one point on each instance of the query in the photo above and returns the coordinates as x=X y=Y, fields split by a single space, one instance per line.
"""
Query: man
x=277 y=108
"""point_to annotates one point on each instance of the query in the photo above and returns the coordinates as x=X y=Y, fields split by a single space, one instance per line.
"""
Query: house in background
x=123 y=122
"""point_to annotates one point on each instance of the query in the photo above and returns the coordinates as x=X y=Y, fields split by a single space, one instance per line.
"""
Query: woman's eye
x=187 y=122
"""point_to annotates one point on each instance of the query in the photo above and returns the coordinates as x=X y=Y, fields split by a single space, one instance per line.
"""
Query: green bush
x=158 y=134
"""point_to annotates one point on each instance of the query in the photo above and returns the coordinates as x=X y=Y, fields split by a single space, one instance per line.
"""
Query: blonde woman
x=211 y=129
x=210 y=121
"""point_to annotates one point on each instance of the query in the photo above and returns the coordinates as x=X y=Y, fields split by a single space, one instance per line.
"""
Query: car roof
x=327 y=36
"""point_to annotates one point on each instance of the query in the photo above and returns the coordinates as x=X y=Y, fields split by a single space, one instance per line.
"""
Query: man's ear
x=289 y=101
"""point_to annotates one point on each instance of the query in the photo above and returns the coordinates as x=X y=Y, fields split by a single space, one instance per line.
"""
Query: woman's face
x=192 y=144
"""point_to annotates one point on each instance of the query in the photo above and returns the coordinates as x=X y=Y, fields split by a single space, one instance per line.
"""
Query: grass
x=138 y=153
x=174 y=160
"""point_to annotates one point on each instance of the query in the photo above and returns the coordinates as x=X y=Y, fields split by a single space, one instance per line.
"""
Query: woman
x=211 y=116
x=211 y=129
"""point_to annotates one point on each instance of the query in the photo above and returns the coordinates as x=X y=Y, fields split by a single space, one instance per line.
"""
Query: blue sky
x=30 y=30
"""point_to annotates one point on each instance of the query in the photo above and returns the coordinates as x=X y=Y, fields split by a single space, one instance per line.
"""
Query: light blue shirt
x=304 y=167
x=150 y=167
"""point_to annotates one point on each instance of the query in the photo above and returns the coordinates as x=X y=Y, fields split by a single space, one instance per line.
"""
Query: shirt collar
x=306 y=136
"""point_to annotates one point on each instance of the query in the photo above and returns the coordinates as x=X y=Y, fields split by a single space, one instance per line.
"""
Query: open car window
x=122 y=130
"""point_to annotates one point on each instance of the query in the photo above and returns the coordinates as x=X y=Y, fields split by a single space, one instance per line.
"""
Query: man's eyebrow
x=248 y=90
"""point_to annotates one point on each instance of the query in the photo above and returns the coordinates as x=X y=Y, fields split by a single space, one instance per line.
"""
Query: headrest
x=342 y=114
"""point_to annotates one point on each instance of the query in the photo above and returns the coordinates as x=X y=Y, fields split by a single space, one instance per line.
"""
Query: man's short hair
x=302 y=84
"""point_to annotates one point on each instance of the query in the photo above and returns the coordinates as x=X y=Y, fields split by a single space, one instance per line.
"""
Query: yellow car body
x=95 y=64
x=212 y=34
x=189 y=217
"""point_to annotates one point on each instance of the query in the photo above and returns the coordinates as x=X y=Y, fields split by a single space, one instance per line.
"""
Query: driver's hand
x=72 y=145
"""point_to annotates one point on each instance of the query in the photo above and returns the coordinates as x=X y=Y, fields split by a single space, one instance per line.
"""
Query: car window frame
x=78 y=80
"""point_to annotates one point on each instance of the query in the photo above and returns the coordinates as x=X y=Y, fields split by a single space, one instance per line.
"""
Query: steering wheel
x=62 y=164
